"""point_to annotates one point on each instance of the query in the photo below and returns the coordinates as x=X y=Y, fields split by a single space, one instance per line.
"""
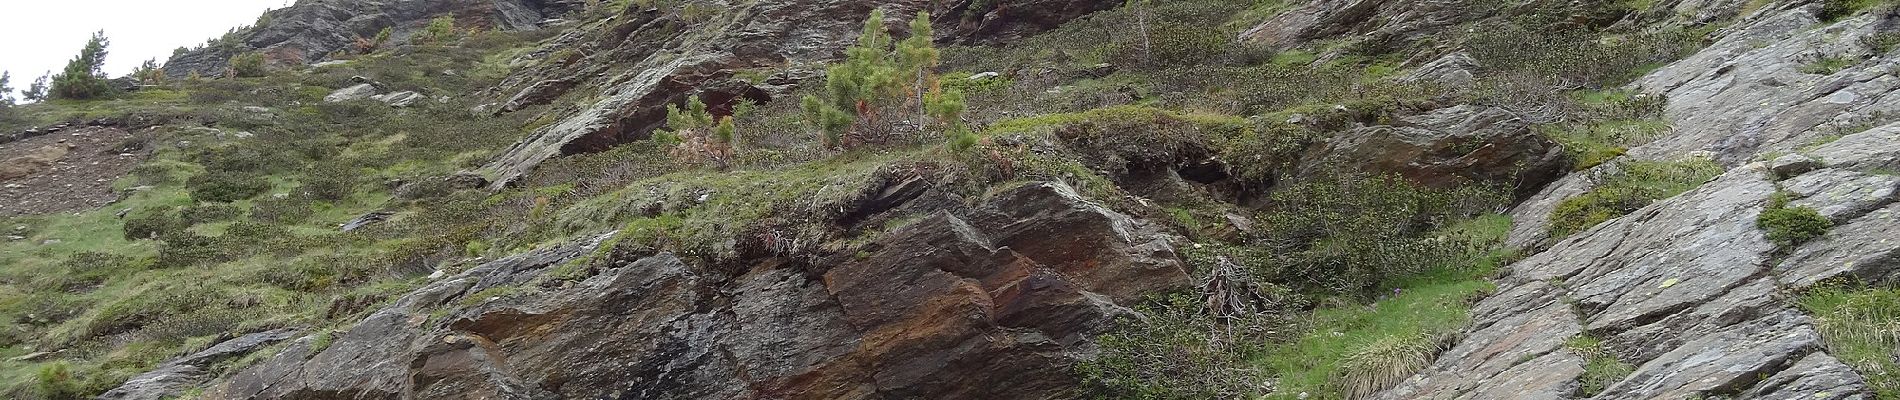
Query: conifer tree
x=6 y=89
x=698 y=136
x=878 y=72
x=82 y=78
x=36 y=91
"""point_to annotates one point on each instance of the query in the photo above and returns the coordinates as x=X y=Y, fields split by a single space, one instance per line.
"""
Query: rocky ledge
x=974 y=295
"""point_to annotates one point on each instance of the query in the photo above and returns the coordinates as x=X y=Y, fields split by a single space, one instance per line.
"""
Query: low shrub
x=1790 y=226
x=152 y=223
x=225 y=187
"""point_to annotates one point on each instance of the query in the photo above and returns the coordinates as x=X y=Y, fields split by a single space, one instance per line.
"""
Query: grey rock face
x=308 y=31
x=400 y=99
x=671 y=59
x=1689 y=290
x=1751 y=93
x=178 y=375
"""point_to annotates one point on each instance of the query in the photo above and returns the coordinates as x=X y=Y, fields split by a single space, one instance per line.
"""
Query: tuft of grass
x=1356 y=349
x=1384 y=363
x=1860 y=325
x=1601 y=367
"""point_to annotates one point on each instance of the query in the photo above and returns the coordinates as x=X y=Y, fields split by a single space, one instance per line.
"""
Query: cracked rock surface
x=1689 y=291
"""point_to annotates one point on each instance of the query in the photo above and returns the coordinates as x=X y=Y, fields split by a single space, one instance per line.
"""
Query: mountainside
x=823 y=199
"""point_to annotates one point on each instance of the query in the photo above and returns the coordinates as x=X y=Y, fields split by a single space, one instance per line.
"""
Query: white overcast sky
x=37 y=36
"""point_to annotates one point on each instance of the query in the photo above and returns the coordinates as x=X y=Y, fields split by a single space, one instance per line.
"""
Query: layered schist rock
x=1688 y=290
x=978 y=294
x=1753 y=92
x=643 y=59
x=309 y=30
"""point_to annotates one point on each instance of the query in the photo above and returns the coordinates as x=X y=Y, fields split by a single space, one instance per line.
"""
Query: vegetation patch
x=1860 y=325
x=1789 y=225
x=1601 y=367
x=1628 y=187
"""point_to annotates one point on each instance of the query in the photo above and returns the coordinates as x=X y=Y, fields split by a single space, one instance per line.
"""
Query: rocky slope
x=310 y=30
x=922 y=281
x=960 y=296
x=1689 y=290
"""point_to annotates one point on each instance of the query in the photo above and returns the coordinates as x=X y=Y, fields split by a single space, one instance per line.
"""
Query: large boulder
x=1447 y=148
x=987 y=294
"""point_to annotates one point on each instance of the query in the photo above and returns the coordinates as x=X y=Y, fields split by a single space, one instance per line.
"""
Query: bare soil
x=72 y=170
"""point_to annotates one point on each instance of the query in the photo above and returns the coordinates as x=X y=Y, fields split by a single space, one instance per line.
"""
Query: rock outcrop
x=643 y=60
x=308 y=31
x=977 y=295
x=1755 y=91
x=1689 y=290
x=173 y=378
x=1447 y=148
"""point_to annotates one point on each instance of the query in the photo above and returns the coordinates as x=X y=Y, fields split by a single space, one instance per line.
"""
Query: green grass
x=1359 y=348
x=1861 y=327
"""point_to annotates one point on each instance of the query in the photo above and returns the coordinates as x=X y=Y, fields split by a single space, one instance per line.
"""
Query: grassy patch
x=1828 y=65
x=1632 y=186
x=1601 y=367
x=1361 y=348
x=1596 y=143
x=1861 y=327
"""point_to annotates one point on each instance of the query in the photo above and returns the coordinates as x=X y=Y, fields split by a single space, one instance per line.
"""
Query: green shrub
x=1173 y=355
x=286 y=210
x=1348 y=234
x=440 y=29
x=248 y=65
x=225 y=187
x=1631 y=186
x=1790 y=226
x=56 y=381
x=152 y=223
x=207 y=213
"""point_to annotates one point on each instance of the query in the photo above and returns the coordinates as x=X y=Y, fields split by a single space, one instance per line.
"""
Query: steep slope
x=1690 y=292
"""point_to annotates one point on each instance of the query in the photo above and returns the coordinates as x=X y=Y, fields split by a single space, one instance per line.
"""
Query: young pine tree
x=6 y=89
x=877 y=72
x=697 y=135
x=82 y=78
x=149 y=72
x=36 y=91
